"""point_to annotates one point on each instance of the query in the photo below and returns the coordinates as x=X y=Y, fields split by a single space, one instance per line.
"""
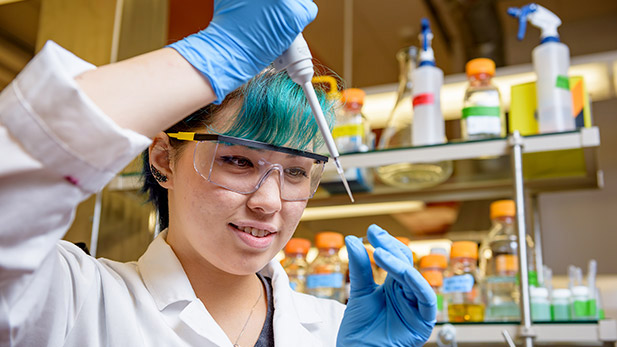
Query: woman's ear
x=160 y=160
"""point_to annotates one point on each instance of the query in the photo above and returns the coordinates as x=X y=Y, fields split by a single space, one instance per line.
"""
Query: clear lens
x=243 y=169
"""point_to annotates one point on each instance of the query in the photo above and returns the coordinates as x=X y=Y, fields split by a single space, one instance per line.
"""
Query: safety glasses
x=242 y=165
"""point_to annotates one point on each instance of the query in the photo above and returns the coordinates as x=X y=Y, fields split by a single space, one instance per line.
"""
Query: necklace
x=261 y=292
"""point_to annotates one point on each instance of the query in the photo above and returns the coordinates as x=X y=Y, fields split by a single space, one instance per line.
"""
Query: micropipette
x=297 y=59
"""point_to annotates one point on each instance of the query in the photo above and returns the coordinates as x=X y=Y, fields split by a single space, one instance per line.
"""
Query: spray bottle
x=428 y=126
x=551 y=60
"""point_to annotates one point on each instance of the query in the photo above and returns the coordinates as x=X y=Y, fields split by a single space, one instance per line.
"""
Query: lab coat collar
x=165 y=279
x=294 y=313
x=163 y=274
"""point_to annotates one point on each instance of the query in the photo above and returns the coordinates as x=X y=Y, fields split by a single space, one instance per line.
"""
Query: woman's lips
x=253 y=237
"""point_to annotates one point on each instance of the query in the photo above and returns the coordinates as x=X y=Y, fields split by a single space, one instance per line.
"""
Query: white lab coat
x=57 y=148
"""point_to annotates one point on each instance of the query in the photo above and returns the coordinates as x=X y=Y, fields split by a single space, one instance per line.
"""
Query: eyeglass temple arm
x=183 y=136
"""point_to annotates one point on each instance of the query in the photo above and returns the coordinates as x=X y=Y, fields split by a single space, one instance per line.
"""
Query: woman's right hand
x=244 y=37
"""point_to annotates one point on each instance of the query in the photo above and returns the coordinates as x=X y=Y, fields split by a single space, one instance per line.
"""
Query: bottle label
x=333 y=280
x=423 y=99
x=439 y=301
x=293 y=285
x=562 y=82
x=458 y=284
x=348 y=130
x=474 y=111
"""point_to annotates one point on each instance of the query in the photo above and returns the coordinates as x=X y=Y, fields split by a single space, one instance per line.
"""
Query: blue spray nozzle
x=426 y=34
x=521 y=14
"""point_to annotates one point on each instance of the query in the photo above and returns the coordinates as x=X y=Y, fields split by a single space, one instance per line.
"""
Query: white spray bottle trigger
x=538 y=16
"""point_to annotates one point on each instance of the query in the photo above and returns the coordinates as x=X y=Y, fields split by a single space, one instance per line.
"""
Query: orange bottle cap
x=434 y=260
x=434 y=278
x=506 y=263
x=329 y=239
x=353 y=95
x=464 y=249
x=480 y=65
x=297 y=245
x=503 y=208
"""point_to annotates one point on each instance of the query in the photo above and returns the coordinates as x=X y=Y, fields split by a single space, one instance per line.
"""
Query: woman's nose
x=267 y=198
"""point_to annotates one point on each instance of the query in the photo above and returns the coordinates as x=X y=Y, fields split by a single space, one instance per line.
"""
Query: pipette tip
x=341 y=173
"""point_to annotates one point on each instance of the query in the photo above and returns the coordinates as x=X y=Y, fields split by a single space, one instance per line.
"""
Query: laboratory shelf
x=601 y=333
x=482 y=168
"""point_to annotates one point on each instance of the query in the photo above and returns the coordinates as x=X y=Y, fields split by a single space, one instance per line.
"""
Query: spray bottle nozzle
x=427 y=35
x=539 y=17
x=521 y=14
x=427 y=56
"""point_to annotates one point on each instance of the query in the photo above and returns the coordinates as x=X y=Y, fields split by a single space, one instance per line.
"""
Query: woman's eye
x=237 y=161
x=297 y=172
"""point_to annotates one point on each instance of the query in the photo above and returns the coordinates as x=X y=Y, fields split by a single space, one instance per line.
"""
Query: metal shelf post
x=516 y=143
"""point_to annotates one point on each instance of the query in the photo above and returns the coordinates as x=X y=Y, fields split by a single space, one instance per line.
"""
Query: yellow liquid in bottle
x=460 y=313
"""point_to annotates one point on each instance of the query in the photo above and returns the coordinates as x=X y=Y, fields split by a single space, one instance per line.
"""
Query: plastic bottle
x=580 y=303
x=428 y=126
x=351 y=134
x=560 y=305
x=326 y=274
x=461 y=287
x=540 y=305
x=483 y=116
x=432 y=267
x=295 y=263
x=499 y=264
x=551 y=60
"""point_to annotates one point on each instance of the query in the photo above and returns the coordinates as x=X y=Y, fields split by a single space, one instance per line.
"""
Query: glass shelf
x=482 y=169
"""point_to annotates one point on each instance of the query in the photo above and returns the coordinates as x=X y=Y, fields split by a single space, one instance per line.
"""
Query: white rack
x=581 y=333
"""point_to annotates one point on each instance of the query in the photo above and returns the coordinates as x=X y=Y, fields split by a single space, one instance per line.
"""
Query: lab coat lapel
x=196 y=316
x=291 y=314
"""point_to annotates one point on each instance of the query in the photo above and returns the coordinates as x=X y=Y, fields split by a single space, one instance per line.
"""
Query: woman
x=67 y=129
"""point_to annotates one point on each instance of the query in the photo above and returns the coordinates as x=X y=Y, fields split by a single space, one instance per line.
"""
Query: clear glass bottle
x=352 y=134
x=499 y=264
x=295 y=263
x=461 y=287
x=326 y=274
x=483 y=115
x=432 y=267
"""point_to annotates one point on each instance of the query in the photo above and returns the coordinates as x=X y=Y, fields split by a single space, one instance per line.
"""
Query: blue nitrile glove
x=243 y=38
x=400 y=312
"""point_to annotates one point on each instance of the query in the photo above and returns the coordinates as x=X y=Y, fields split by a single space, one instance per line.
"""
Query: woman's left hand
x=400 y=312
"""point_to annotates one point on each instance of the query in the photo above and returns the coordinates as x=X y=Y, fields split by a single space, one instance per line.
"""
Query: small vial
x=326 y=274
x=432 y=267
x=483 y=116
x=540 y=305
x=580 y=303
x=295 y=263
x=560 y=305
x=460 y=286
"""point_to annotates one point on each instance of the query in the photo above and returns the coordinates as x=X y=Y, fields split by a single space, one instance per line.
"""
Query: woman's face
x=232 y=232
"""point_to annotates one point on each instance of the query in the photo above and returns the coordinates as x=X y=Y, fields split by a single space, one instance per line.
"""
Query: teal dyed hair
x=274 y=110
x=269 y=108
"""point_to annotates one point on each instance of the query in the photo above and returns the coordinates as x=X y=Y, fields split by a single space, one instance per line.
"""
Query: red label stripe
x=423 y=99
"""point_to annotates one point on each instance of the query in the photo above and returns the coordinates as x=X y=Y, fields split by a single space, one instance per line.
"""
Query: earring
x=157 y=174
